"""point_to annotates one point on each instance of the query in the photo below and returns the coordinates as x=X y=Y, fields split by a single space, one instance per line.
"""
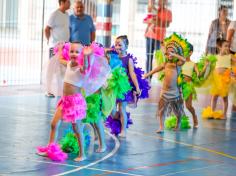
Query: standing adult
x=231 y=37
x=56 y=30
x=156 y=30
x=218 y=30
x=82 y=28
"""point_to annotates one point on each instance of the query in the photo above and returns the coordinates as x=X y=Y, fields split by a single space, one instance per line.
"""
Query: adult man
x=81 y=25
x=156 y=30
x=57 y=30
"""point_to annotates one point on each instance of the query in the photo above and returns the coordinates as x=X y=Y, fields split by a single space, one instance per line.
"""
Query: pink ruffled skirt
x=73 y=107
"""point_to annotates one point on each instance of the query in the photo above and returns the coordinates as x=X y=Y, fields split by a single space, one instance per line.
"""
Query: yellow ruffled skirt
x=221 y=83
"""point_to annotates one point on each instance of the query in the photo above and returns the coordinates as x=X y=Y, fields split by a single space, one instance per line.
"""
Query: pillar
x=104 y=22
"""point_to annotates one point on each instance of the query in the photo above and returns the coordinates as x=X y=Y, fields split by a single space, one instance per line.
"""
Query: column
x=104 y=22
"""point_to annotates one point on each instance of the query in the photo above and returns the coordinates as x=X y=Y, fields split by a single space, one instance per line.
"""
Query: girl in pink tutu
x=81 y=71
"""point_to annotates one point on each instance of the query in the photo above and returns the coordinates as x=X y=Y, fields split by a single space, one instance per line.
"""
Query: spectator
x=231 y=36
x=156 y=30
x=218 y=30
x=57 y=30
x=82 y=28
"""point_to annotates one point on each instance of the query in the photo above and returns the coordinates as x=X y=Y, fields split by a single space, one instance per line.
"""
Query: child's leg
x=178 y=109
x=78 y=128
x=225 y=106
x=99 y=127
x=213 y=102
x=55 y=123
x=162 y=107
x=189 y=106
x=123 y=115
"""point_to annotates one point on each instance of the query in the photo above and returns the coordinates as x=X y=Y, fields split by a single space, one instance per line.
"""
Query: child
x=170 y=98
x=72 y=105
x=222 y=76
x=187 y=85
x=135 y=80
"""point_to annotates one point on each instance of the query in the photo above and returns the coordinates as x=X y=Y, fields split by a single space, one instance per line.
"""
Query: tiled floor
x=24 y=124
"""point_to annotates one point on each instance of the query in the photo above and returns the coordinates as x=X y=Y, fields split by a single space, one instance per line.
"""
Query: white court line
x=70 y=165
x=189 y=170
x=117 y=145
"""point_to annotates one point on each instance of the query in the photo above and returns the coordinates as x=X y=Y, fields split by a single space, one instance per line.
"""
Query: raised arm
x=60 y=56
x=155 y=70
x=181 y=59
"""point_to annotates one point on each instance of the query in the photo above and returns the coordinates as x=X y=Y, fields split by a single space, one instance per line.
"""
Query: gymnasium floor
x=24 y=124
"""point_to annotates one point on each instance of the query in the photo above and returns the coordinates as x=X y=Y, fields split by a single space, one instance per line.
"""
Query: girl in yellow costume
x=221 y=78
x=187 y=84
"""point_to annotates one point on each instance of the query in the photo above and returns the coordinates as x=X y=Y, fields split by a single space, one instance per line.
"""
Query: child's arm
x=181 y=59
x=157 y=69
x=203 y=70
x=60 y=57
x=234 y=58
x=133 y=76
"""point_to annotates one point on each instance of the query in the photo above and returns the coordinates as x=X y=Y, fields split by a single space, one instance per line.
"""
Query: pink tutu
x=73 y=107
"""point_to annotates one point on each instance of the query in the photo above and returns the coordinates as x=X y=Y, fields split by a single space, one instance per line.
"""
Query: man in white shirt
x=57 y=30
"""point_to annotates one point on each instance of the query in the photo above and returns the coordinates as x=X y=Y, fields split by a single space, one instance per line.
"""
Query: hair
x=190 y=47
x=124 y=38
x=222 y=7
x=219 y=42
x=60 y=1
x=78 y=2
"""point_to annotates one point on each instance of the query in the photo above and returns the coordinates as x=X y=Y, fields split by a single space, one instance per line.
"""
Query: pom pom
x=69 y=143
x=170 y=122
x=53 y=151
x=115 y=124
x=184 y=123
x=208 y=113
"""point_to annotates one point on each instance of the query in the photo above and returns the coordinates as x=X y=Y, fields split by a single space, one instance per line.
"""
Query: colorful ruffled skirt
x=73 y=107
x=187 y=87
x=117 y=86
x=93 y=114
x=221 y=83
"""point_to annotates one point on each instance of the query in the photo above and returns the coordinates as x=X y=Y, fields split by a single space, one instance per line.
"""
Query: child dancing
x=170 y=97
x=80 y=74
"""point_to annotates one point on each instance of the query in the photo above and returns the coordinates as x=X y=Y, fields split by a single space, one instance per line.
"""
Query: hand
x=138 y=91
x=144 y=76
x=207 y=62
x=87 y=51
x=108 y=50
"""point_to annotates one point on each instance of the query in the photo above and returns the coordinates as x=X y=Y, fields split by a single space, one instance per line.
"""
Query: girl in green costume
x=186 y=82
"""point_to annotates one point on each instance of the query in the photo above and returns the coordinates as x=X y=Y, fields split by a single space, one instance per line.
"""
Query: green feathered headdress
x=179 y=44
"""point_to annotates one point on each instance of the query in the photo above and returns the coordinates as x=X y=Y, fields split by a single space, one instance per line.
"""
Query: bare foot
x=101 y=149
x=195 y=124
x=122 y=135
x=160 y=130
x=81 y=158
x=176 y=129
x=44 y=154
